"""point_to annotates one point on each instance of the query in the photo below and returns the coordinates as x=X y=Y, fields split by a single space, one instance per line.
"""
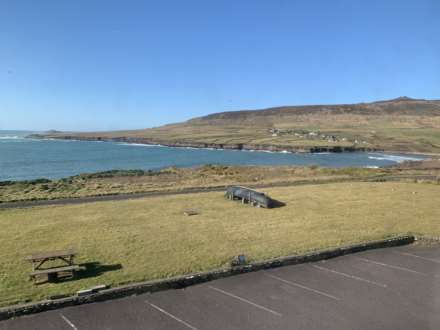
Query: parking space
x=48 y=320
x=397 y=288
x=207 y=308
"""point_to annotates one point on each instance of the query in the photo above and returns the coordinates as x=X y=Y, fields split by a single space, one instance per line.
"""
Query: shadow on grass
x=90 y=269
x=274 y=204
x=277 y=204
x=93 y=269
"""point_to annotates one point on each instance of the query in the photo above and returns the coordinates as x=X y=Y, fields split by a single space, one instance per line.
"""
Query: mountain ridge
x=400 y=106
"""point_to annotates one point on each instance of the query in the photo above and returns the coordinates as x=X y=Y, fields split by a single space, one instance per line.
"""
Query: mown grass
x=151 y=238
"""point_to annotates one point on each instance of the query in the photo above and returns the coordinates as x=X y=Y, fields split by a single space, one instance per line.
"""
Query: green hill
x=402 y=124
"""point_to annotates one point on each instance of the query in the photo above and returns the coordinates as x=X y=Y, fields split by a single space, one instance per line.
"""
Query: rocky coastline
x=200 y=145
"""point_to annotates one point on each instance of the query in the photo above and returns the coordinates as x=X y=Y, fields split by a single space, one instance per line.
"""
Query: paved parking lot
x=394 y=288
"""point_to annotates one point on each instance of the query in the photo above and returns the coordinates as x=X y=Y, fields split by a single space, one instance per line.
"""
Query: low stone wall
x=428 y=239
x=197 y=278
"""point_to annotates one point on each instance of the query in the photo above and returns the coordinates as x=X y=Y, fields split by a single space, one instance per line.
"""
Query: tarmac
x=392 y=288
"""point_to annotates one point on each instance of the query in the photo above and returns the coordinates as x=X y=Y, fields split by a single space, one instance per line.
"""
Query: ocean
x=26 y=159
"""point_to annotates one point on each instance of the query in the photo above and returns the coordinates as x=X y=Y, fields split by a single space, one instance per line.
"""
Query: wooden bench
x=52 y=273
x=56 y=272
x=38 y=259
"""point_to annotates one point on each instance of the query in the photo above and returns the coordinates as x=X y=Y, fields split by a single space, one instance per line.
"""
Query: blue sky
x=100 y=65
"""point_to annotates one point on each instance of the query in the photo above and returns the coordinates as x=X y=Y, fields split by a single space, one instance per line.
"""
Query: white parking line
x=351 y=276
x=68 y=322
x=416 y=256
x=392 y=266
x=171 y=315
x=302 y=286
x=246 y=301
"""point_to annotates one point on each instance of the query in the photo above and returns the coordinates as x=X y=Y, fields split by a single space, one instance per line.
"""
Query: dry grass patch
x=152 y=238
x=171 y=179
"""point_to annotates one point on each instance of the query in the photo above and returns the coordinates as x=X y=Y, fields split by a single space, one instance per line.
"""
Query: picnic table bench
x=52 y=273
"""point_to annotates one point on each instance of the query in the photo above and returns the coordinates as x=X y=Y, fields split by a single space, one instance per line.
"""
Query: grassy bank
x=151 y=238
x=171 y=179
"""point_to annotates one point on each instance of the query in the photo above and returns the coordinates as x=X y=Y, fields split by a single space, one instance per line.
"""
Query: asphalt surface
x=394 y=288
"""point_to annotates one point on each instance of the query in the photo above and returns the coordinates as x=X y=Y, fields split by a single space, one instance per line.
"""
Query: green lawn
x=151 y=238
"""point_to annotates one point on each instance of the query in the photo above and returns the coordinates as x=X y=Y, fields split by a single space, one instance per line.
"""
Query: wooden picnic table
x=39 y=259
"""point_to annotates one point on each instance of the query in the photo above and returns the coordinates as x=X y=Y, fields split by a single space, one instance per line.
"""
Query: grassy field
x=395 y=125
x=137 y=240
x=173 y=179
x=410 y=136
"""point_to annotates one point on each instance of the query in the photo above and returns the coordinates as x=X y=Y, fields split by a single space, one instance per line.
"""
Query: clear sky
x=113 y=64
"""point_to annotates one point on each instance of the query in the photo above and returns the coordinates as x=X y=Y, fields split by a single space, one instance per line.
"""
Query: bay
x=26 y=159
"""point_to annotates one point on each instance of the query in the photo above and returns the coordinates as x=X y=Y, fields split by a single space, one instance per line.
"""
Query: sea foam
x=393 y=158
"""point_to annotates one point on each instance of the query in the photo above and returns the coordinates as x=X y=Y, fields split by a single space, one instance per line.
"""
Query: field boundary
x=179 y=282
x=196 y=190
x=428 y=238
x=137 y=195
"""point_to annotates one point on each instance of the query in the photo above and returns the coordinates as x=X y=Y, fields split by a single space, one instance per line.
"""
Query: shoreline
x=234 y=146
x=142 y=142
x=216 y=146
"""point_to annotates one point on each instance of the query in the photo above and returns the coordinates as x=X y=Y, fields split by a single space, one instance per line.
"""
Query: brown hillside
x=402 y=106
x=402 y=124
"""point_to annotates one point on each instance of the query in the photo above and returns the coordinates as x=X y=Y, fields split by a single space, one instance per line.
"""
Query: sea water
x=22 y=158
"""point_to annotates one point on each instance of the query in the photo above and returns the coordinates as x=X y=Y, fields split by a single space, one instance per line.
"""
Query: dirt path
x=120 y=197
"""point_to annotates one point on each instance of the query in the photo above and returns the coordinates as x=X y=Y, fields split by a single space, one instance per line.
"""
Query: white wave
x=266 y=151
x=371 y=166
x=11 y=137
x=30 y=139
x=138 y=144
x=393 y=158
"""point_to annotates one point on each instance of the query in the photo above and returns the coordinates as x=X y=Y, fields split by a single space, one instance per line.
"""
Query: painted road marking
x=68 y=322
x=245 y=300
x=392 y=266
x=171 y=315
x=416 y=256
x=302 y=287
x=351 y=276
